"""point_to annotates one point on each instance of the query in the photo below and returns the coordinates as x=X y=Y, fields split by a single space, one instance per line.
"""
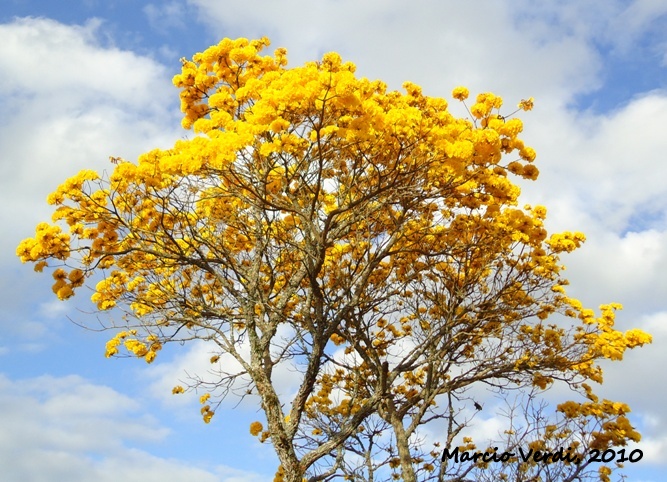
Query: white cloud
x=67 y=103
x=190 y=360
x=653 y=449
x=619 y=162
x=603 y=175
x=193 y=361
x=67 y=428
x=52 y=309
x=628 y=269
x=638 y=379
x=431 y=43
x=635 y=20
x=43 y=57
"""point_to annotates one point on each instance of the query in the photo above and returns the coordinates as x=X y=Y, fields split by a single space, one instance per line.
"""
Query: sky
x=84 y=80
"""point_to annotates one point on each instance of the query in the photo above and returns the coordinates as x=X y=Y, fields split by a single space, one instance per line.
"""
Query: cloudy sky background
x=83 y=80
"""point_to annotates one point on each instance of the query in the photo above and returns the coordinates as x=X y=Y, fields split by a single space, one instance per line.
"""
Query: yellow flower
x=528 y=153
x=177 y=389
x=40 y=266
x=480 y=110
x=112 y=347
x=136 y=347
x=204 y=398
x=76 y=277
x=460 y=93
x=530 y=172
x=256 y=428
x=208 y=415
x=150 y=356
x=526 y=104
x=65 y=292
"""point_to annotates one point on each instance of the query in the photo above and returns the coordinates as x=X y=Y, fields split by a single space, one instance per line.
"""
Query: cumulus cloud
x=193 y=363
x=609 y=164
x=430 y=43
x=67 y=428
x=68 y=102
x=43 y=57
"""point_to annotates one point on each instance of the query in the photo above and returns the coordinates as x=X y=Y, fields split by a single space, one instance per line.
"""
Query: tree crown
x=367 y=237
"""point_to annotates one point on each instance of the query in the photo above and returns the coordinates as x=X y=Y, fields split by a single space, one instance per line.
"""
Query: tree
x=369 y=239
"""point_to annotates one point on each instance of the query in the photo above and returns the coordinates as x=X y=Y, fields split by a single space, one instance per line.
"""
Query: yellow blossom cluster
x=566 y=241
x=256 y=428
x=526 y=104
x=460 y=93
x=141 y=349
x=615 y=428
x=207 y=413
x=49 y=241
x=325 y=402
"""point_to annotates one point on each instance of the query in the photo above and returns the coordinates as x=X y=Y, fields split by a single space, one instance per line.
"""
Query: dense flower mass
x=367 y=238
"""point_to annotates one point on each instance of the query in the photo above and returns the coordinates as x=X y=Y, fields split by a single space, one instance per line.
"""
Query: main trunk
x=407 y=469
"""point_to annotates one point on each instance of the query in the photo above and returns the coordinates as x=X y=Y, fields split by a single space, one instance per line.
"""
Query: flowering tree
x=365 y=237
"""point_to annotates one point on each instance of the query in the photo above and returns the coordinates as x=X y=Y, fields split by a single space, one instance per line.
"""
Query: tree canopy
x=367 y=238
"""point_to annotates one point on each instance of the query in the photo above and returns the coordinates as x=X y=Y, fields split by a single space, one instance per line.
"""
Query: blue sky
x=83 y=80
